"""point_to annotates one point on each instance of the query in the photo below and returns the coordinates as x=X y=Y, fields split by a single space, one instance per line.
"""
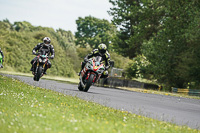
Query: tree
x=93 y=31
x=165 y=32
x=65 y=38
x=172 y=52
x=22 y=26
x=137 y=20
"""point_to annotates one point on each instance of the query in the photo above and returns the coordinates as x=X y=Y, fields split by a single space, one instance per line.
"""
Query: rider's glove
x=52 y=57
x=34 y=52
x=106 y=67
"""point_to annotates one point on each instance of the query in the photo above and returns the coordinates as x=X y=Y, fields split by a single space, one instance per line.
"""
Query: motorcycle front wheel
x=88 y=83
x=80 y=87
x=38 y=73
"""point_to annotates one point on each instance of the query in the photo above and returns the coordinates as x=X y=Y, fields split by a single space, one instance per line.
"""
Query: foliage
x=137 y=21
x=82 y=52
x=23 y=26
x=138 y=68
x=119 y=60
x=31 y=109
x=165 y=32
x=93 y=31
x=173 y=50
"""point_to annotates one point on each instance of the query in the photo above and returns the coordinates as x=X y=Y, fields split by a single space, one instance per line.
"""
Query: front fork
x=88 y=75
x=38 y=66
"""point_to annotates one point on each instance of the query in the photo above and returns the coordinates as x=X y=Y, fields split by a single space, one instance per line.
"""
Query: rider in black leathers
x=43 y=48
x=1 y=52
x=101 y=51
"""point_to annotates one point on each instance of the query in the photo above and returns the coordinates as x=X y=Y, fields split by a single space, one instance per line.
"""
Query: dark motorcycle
x=39 y=66
x=91 y=73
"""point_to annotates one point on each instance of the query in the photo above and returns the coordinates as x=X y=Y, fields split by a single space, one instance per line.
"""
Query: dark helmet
x=47 y=40
x=102 y=48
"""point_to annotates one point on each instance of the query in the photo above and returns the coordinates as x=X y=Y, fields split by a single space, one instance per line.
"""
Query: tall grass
x=25 y=108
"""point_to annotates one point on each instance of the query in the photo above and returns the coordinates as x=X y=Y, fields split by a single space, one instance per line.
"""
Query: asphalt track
x=181 y=111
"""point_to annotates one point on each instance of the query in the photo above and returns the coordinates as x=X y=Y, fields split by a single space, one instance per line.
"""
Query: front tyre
x=38 y=75
x=80 y=87
x=89 y=83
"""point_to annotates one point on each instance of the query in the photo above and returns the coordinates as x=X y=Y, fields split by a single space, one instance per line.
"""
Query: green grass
x=25 y=108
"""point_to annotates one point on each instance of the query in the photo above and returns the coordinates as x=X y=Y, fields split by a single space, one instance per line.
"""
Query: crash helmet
x=47 y=40
x=102 y=48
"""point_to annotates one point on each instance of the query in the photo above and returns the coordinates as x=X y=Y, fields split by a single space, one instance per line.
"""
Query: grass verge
x=25 y=108
x=160 y=92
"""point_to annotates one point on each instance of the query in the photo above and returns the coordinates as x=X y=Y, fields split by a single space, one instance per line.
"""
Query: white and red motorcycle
x=91 y=73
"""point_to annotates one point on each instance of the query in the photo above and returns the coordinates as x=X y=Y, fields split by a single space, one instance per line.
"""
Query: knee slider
x=105 y=72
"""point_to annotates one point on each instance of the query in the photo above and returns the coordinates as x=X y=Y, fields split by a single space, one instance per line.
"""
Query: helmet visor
x=102 y=51
x=46 y=42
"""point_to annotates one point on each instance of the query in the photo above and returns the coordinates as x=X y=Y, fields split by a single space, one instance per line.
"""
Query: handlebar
x=40 y=54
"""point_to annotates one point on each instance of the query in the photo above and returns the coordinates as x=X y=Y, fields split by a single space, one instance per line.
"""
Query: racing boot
x=45 y=71
x=31 y=68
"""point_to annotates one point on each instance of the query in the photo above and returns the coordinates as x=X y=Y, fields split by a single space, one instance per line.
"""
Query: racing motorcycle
x=1 y=61
x=91 y=73
x=39 y=65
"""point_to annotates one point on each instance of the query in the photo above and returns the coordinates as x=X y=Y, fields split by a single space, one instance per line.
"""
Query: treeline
x=162 y=37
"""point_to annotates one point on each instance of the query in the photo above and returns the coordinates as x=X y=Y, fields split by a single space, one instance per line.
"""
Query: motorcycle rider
x=101 y=51
x=1 y=52
x=44 y=48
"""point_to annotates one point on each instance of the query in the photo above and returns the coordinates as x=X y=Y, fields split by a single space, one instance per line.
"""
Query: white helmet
x=47 y=40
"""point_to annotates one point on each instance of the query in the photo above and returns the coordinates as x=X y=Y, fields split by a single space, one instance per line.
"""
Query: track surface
x=181 y=111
